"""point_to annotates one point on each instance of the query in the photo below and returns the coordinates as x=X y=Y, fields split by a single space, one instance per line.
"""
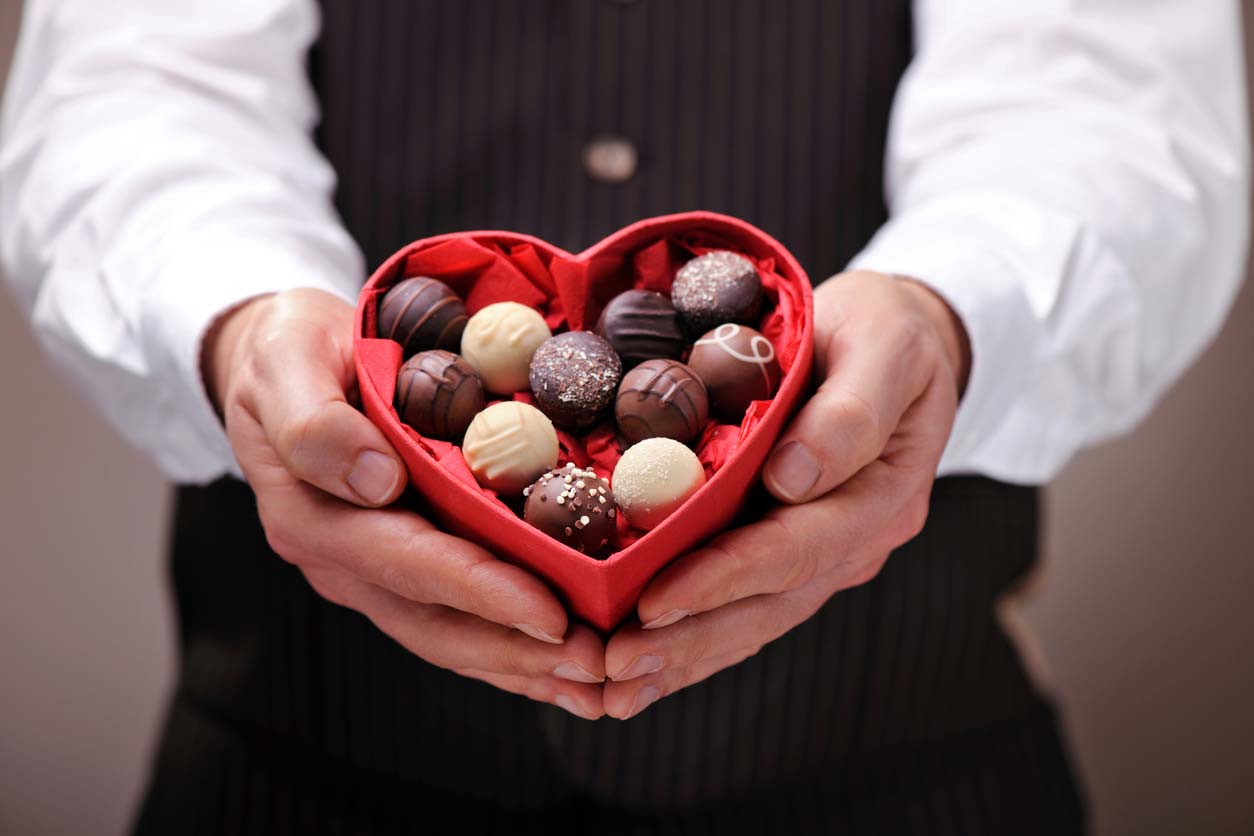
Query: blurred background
x=1142 y=614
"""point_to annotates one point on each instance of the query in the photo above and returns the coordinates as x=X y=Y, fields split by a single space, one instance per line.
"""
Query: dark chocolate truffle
x=438 y=394
x=642 y=325
x=574 y=377
x=421 y=314
x=661 y=398
x=737 y=365
x=573 y=506
x=717 y=287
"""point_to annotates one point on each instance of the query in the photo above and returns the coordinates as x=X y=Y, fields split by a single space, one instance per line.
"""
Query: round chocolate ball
x=421 y=314
x=661 y=398
x=508 y=445
x=737 y=365
x=655 y=477
x=574 y=377
x=573 y=506
x=642 y=325
x=499 y=341
x=438 y=394
x=717 y=287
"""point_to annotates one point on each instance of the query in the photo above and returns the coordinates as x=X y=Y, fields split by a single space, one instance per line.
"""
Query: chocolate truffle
x=499 y=341
x=574 y=377
x=717 y=287
x=572 y=506
x=508 y=446
x=642 y=325
x=438 y=394
x=421 y=314
x=737 y=365
x=655 y=477
x=661 y=398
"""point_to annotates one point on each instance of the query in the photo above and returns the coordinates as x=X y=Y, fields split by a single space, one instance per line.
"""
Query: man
x=1067 y=227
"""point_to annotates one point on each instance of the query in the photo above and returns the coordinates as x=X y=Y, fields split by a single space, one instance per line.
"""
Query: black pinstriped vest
x=441 y=116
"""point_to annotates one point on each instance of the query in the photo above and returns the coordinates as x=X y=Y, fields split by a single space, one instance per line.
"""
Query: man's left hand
x=855 y=471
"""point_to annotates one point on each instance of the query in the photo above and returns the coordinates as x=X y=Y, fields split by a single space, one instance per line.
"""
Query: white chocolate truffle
x=653 y=478
x=498 y=343
x=509 y=445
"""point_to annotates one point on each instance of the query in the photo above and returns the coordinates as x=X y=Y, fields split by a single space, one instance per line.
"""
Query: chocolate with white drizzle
x=737 y=365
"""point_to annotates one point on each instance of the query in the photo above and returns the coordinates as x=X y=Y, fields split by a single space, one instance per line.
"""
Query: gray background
x=1142 y=611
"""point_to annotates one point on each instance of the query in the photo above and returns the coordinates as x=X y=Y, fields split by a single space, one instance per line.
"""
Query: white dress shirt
x=1071 y=177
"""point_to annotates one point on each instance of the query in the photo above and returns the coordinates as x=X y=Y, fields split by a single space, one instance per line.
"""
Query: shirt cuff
x=177 y=312
x=998 y=264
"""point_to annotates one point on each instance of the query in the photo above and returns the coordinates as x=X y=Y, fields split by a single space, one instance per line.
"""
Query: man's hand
x=280 y=369
x=855 y=469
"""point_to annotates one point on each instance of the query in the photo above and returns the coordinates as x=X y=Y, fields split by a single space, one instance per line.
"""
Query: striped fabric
x=443 y=116
x=899 y=708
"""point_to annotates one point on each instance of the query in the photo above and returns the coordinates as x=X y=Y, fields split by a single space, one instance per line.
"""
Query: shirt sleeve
x=1073 y=179
x=157 y=170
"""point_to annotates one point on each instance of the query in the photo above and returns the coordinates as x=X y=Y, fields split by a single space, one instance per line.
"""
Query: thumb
x=331 y=445
x=847 y=423
x=296 y=392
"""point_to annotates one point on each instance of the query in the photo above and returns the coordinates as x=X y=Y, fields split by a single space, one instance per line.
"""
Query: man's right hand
x=280 y=369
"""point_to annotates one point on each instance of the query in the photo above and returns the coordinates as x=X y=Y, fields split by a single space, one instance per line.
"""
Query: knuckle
x=513 y=657
x=805 y=563
x=326 y=588
x=396 y=577
x=804 y=569
x=280 y=545
x=405 y=578
x=868 y=572
x=293 y=437
x=481 y=577
x=693 y=644
x=913 y=518
x=856 y=414
x=278 y=536
x=731 y=569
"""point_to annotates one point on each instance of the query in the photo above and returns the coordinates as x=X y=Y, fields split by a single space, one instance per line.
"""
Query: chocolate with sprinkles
x=717 y=287
x=574 y=377
x=573 y=506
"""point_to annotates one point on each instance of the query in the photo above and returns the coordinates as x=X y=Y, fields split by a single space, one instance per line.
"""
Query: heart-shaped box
x=571 y=290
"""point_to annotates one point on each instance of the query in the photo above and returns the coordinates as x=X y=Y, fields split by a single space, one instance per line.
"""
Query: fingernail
x=564 y=702
x=645 y=697
x=792 y=471
x=640 y=666
x=374 y=476
x=575 y=673
x=537 y=633
x=666 y=619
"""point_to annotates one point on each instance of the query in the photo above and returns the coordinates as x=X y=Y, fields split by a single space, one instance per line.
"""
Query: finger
x=624 y=700
x=583 y=701
x=872 y=380
x=785 y=550
x=460 y=641
x=404 y=554
x=296 y=391
x=633 y=652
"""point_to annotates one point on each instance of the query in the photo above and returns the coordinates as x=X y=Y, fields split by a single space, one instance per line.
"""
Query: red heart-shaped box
x=570 y=290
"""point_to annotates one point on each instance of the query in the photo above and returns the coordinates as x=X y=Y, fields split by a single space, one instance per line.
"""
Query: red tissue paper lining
x=571 y=291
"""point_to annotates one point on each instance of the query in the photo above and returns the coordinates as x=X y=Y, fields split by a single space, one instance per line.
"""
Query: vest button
x=610 y=159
